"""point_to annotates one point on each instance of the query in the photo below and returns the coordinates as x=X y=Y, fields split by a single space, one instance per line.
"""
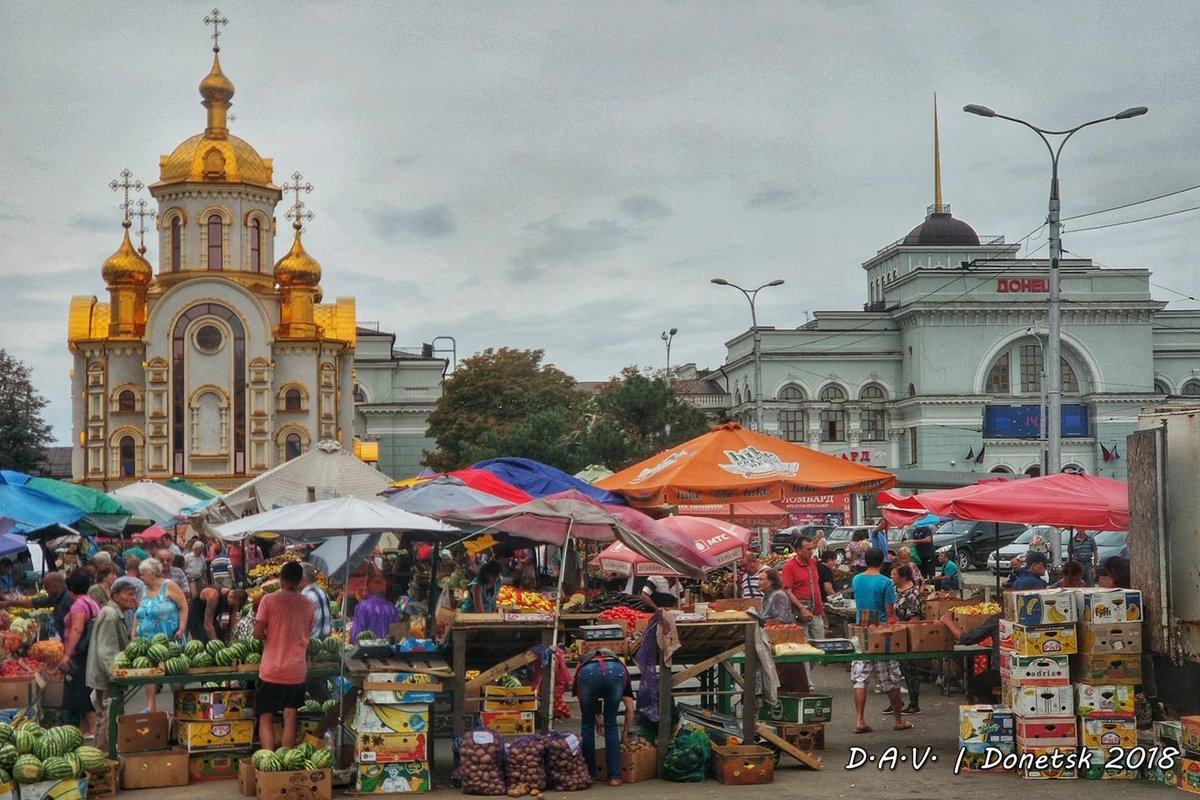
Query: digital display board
x=1025 y=422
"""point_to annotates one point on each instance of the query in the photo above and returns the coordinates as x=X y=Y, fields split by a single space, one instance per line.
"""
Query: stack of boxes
x=391 y=733
x=216 y=728
x=510 y=710
x=147 y=760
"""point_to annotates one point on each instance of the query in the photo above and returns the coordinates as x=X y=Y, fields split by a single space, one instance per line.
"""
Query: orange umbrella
x=730 y=464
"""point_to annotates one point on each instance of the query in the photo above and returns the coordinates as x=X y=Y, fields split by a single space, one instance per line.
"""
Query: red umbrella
x=723 y=542
x=485 y=481
x=153 y=533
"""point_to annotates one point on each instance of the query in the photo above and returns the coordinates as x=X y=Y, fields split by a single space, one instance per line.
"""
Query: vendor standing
x=375 y=614
x=57 y=598
x=660 y=592
x=483 y=590
x=803 y=583
x=283 y=623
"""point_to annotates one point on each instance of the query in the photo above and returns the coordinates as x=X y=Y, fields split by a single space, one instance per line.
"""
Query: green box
x=798 y=709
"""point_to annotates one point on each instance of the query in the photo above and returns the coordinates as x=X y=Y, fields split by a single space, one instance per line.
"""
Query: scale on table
x=833 y=645
x=602 y=633
x=374 y=649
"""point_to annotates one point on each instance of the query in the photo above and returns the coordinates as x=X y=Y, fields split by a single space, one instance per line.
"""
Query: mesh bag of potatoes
x=525 y=763
x=481 y=763
x=566 y=770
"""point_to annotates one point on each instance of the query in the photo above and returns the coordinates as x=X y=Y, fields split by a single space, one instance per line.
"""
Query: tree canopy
x=24 y=435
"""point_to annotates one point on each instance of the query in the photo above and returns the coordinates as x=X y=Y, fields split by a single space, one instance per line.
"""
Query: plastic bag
x=481 y=762
x=525 y=763
x=566 y=769
x=687 y=758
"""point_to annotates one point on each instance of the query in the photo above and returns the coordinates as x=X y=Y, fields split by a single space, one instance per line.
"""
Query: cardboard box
x=796 y=709
x=805 y=737
x=69 y=789
x=18 y=692
x=742 y=765
x=881 y=638
x=1110 y=637
x=509 y=723
x=1114 y=700
x=970 y=621
x=1056 y=640
x=395 y=688
x=935 y=608
x=1047 y=732
x=975 y=756
x=154 y=770
x=381 y=748
x=1169 y=732
x=1163 y=776
x=1189 y=775
x=314 y=784
x=1042 y=607
x=929 y=636
x=1035 y=670
x=229 y=735
x=213 y=767
x=1109 y=605
x=141 y=732
x=1042 y=701
x=214 y=705
x=985 y=724
x=1108 y=732
x=8 y=791
x=388 y=718
x=504 y=698
x=1006 y=634
x=1048 y=772
x=246 y=778
x=1187 y=730
x=785 y=634
x=636 y=765
x=103 y=781
x=393 y=778
x=1107 y=668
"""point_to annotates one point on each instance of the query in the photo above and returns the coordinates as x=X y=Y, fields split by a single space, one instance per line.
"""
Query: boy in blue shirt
x=875 y=598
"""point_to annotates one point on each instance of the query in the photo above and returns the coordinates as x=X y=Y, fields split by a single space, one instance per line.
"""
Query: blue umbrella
x=32 y=509
x=929 y=519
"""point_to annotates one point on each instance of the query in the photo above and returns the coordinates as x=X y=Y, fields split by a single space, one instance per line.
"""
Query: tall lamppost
x=1052 y=422
x=667 y=336
x=751 y=296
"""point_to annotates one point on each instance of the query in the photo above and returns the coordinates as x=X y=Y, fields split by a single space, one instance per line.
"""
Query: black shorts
x=271 y=698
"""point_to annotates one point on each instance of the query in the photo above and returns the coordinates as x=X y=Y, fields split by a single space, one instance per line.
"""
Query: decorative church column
x=894 y=435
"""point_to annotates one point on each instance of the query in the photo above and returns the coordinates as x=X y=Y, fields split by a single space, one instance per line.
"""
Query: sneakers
x=887 y=712
x=911 y=709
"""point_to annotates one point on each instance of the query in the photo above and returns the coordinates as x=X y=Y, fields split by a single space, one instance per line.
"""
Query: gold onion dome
x=297 y=268
x=216 y=87
x=126 y=267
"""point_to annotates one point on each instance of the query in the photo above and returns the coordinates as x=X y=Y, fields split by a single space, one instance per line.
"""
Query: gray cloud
x=562 y=244
x=771 y=196
x=432 y=222
x=404 y=161
x=642 y=207
x=95 y=223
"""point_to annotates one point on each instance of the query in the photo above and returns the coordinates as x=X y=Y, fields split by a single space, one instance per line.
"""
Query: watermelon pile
x=328 y=649
x=176 y=660
x=301 y=757
x=31 y=753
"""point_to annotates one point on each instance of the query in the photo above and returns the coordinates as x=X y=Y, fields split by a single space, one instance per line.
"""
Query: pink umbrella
x=723 y=542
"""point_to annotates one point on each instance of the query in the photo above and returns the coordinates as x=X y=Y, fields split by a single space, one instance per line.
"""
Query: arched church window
x=255 y=245
x=833 y=394
x=1191 y=389
x=176 y=244
x=1160 y=387
x=359 y=395
x=216 y=250
x=291 y=400
x=873 y=393
x=998 y=378
x=127 y=453
x=126 y=401
x=292 y=446
x=791 y=393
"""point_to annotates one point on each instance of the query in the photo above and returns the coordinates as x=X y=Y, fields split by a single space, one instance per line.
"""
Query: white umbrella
x=170 y=499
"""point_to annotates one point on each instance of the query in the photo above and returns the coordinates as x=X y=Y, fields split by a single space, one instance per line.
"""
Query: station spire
x=938 y=207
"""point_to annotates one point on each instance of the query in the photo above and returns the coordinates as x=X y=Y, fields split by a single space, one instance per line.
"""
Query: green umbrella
x=104 y=514
x=196 y=490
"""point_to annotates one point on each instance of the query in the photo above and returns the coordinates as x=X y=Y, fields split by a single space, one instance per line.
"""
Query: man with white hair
x=195 y=564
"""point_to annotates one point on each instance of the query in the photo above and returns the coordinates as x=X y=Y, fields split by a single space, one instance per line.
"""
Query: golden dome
x=216 y=87
x=297 y=268
x=126 y=267
x=204 y=158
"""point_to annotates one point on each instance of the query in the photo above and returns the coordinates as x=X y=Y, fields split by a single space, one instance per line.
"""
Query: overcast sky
x=569 y=176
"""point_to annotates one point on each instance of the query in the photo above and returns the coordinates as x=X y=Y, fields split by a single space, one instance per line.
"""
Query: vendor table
x=119 y=685
x=495 y=648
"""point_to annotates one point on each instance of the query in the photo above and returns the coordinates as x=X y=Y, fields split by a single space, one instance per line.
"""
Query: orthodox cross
x=297 y=214
x=126 y=184
x=143 y=210
x=216 y=20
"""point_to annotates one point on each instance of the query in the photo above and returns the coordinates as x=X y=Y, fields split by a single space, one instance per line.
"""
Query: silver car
x=999 y=561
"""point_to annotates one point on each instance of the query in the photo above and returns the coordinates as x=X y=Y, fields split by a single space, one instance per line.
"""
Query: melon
x=24 y=740
x=158 y=653
x=8 y=754
x=160 y=638
x=260 y=757
x=136 y=648
x=5 y=777
x=322 y=759
x=193 y=648
x=27 y=769
x=294 y=760
x=56 y=768
x=72 y=736
x=224 y=658
x=214 y=647
x=141 y=662
x=6 y=733
x=90 y=757
x=76 y=765
x=253 y=658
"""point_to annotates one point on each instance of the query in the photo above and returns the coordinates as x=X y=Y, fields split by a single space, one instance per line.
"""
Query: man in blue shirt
x=1033 y=575
x=875 y=599
x=949 y=578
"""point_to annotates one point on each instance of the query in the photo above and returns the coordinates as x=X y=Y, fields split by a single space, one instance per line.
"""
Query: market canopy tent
x=444 y=493
x=32 y=509
x=540 y=480
x=730 y=464
x=103 y=514
x=1065 y=500
x=338 y=516
x=722 y=542
x=753 y=514
x=170 y=499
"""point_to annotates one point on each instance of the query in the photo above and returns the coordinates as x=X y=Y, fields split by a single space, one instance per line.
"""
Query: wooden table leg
x=458 y=696
x=749 y=683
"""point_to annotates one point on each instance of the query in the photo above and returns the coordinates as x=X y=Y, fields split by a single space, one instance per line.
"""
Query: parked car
x=973 y=541
x=999 y=561
x=781 y=540
x=1111 y=543
x=837 y=539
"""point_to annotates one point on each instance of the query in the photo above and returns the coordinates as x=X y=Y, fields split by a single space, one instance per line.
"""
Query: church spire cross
x=296 y=213
x=216 y=20
x=126 y=184
x=144 y=210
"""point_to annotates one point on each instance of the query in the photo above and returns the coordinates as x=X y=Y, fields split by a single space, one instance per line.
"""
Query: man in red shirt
x=802 y=583
x=283 y=622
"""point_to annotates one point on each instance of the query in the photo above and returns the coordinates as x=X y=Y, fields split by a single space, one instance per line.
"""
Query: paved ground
x=936 y=730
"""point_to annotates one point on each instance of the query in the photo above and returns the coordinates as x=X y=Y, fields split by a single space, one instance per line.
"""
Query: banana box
x=1189 y=775
x=392 y=688
x=9 y=790
x=1035 y=670
x=1046 y=732
x=1044 y=607
x=1110 y=637
x=1108 y=732
x=225 y=735
x=1106 y=668
x=214 y=705
x=393 y=778
x=1109 y=605
x=386 y=718
x=1104 y=700
x=1041 y=640
x=382 y=748
x=509 y=698
x=1185 y=732
x=508 y=723
x=1042 y=701
x=984 y=724
x=69 y=789
x=1043 y=771
x=1095 y=771
x=973 y=757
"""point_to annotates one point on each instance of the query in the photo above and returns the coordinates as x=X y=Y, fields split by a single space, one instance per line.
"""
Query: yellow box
x=1189 y=775
x=504 y=698
x=387 y=718
x=1048 y=772
x=1112 y=700
x=1044 y=640
x=393 y=778
x=508 y=723
x=223 y=735
x=1107 y=732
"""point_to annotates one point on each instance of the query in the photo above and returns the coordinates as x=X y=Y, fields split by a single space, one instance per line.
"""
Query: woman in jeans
x=908 y=607
x=602 y=678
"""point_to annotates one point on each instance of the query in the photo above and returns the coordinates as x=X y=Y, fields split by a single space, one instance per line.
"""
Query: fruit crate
x=743 y=765
x=129 y=672
x=104 y=781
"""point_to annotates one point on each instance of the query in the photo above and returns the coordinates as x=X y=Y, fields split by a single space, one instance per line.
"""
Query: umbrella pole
x=337 y=757
x=562 y=571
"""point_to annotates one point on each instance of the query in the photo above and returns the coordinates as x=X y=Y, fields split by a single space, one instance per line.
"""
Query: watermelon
x=177 y=665
x=8 y=754
x=322 y=759
x=56 y=768
x=224 y=658
x=194 y=648
x=282 y=753
x=137 y=647
x=214 y=647
x=161 y=638
x=294 y=760
x=305 y=748
x=76 y=765
x=6 y=733
x=46 y=747
x=158 y=653
x=72 y=736
x=314 y=648
x=24 y=740
x=260 y=757
x=121 y=660
x=141 y=662
x=253 y=658
x=27 y=769
x=5 y=777
x=33 y=729
x=91 y=757
x=201 y=660
x=271 y=765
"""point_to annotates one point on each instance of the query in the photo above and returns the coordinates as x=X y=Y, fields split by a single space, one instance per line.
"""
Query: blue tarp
x=32 y=509
x=540 y=479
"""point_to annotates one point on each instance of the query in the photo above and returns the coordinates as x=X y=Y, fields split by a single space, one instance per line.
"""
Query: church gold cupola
x=297 y=274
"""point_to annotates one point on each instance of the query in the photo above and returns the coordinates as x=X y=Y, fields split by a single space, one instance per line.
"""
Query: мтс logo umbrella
x=750 y=462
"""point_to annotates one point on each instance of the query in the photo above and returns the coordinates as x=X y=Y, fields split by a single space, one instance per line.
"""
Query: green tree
x=490 y=393
x=24 y=435
x=638 y=416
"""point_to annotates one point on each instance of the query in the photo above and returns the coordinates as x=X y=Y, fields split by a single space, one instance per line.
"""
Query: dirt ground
x=935 y=729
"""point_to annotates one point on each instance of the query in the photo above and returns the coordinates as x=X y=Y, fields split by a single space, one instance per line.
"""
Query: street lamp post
x=667 y=337
x=751 y=296
x=1052 y=423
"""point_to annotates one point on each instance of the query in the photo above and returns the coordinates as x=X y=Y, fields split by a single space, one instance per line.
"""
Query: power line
x=1132 y=221
x=1134 y=203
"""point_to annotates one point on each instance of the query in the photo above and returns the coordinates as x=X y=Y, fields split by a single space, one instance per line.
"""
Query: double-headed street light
x=751 y=295
x=667 y=337
x=1052 y=423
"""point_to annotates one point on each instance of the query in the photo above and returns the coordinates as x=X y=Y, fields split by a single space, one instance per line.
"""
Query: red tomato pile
x=624 y=614
x=19 y=668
